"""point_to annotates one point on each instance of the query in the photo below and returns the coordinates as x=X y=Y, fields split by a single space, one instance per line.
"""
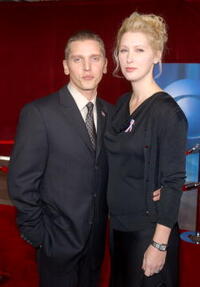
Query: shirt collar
x=81 y=101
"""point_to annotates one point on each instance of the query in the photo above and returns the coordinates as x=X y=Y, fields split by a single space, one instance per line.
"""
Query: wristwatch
x=159 y=246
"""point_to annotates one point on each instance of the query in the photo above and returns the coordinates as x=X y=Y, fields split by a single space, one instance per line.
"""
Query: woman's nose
x=130 y=57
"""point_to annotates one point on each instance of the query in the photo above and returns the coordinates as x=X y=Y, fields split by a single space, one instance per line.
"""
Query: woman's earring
x=159 y=69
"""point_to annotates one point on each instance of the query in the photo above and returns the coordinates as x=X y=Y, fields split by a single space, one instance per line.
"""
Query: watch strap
x=159 y=246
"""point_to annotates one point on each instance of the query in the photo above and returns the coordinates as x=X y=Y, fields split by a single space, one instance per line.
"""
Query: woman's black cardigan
x=164 y=152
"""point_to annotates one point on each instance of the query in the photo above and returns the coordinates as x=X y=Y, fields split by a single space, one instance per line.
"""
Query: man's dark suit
x=58 y=183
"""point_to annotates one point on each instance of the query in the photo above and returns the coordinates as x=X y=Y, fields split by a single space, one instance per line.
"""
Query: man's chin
x=89 y=87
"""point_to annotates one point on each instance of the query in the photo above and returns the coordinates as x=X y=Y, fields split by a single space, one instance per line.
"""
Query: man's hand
x=156 y=194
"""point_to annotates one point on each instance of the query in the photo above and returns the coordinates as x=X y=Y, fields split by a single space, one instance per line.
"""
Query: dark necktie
x=89 y=121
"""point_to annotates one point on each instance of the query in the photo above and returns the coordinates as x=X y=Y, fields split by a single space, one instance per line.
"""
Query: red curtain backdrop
x=33 y=36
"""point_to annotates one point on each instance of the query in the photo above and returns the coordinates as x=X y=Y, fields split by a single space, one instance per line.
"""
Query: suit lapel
x=101 y=120
x=74 y=116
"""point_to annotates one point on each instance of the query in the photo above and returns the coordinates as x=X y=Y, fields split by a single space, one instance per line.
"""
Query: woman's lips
x=130 y=69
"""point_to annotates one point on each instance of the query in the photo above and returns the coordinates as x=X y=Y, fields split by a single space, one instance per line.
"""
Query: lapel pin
x=103 y=114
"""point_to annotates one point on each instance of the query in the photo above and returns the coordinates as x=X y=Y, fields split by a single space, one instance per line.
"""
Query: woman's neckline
x=141 y=104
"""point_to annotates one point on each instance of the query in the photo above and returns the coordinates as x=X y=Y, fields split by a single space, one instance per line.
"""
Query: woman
x=146 y=144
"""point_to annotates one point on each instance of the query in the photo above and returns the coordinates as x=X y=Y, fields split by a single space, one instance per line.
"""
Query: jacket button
x=94 y=195
x=147 y=212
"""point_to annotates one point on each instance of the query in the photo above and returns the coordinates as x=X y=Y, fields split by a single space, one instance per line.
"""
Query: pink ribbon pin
x=129 y=129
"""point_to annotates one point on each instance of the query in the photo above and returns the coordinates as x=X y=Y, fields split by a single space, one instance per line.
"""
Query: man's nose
x=87 y=65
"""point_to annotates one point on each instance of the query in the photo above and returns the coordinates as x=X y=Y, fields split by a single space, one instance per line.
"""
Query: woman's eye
x=123 y=50
x=140 y=50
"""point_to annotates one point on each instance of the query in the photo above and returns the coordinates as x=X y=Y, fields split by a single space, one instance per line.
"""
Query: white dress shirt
x=81 y=102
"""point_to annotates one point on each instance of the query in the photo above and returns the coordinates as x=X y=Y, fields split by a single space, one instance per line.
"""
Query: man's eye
x=76 y=60
x=95 y=58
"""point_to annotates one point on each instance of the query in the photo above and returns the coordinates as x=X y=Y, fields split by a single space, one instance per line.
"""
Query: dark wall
x=33 y=36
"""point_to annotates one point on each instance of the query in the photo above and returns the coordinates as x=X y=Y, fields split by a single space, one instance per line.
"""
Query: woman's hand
x=156 y=194
x=153 y=261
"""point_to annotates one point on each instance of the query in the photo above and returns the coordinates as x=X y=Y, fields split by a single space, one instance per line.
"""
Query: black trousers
x=82 y=275
x=127 y=257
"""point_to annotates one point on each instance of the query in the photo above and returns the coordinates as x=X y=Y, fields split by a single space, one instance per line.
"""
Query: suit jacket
x=56 y=180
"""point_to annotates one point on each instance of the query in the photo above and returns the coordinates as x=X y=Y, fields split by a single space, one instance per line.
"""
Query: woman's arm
x=172 y=134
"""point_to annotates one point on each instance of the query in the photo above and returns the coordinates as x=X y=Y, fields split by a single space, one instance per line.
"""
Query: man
x=58 y=171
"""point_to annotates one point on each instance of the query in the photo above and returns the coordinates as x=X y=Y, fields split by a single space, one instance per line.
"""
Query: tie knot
x=90 y=106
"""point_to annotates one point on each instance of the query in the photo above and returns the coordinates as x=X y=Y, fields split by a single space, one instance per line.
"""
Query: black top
x=126 y=145
x=126 y=195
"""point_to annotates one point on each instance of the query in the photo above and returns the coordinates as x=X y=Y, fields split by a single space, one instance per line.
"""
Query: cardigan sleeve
x=172 y=145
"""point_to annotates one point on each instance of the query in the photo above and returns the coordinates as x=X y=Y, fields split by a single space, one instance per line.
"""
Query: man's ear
x=105 y=66
x=65 y=67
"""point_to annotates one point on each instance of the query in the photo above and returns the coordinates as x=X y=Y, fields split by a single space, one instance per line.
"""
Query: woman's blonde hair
x=152 y=25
